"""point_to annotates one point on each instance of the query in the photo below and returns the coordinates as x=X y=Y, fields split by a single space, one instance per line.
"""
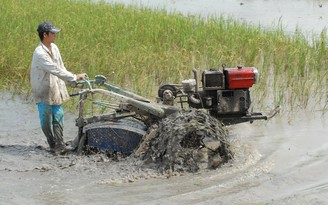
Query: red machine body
x=238 y=78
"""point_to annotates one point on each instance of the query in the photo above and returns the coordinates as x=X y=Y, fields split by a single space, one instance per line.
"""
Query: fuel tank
x=241 y=77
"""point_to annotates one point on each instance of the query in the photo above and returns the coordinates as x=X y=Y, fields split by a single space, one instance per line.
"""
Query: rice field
x=140 y=49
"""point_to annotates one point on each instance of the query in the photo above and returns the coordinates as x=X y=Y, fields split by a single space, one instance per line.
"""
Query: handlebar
x=99 y=80
x=81 y=92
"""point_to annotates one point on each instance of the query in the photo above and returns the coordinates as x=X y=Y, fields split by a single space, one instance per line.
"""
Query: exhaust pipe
x=196 y=79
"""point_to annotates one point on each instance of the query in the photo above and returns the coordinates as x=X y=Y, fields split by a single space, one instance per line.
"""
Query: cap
x=47 y=26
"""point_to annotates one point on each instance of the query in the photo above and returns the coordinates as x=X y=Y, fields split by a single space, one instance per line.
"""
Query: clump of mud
x=186 y=142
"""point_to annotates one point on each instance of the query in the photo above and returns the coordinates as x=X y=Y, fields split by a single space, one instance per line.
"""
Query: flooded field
x=280 y=161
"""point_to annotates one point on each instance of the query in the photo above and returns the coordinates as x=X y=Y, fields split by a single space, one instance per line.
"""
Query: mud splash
x=197 y=142
x=186 y=142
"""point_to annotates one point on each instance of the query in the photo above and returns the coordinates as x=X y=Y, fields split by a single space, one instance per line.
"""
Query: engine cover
x=237 y=78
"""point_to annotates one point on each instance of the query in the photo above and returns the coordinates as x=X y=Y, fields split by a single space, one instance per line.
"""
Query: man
x=48 y=77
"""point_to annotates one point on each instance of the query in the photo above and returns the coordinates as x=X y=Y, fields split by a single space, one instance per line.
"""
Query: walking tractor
x=224 y=94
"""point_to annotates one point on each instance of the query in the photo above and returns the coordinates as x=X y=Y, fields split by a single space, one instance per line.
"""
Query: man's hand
x=81 y=76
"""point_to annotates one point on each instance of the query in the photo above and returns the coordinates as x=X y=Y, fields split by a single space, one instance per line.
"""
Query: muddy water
x=281 y=161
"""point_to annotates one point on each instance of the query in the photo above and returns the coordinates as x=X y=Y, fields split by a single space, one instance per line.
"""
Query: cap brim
x=55 y=30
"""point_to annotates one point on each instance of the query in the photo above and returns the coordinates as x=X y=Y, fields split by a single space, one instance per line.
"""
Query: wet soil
x=26 y=160
x=281 y=161
x=188 y=141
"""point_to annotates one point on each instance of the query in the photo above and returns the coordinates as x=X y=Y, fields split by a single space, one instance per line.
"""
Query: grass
x=139 y=49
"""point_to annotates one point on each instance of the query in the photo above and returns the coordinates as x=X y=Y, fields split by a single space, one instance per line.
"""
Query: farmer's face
x=49 y=38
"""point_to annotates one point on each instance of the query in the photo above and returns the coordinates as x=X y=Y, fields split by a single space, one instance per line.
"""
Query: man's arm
x=49 y=66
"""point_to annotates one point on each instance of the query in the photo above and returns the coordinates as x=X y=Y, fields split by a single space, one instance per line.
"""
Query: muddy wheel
x=81 y=144
x=172 y=88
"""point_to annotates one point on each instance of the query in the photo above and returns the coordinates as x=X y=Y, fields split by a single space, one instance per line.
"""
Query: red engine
x=240 y=77
x=225 y=93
